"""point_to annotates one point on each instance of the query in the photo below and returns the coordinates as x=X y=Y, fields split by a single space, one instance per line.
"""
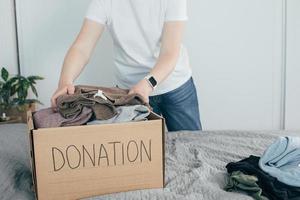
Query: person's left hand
x=142 y=88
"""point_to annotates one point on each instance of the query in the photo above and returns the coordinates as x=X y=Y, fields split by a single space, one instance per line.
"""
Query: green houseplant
x=14 y=92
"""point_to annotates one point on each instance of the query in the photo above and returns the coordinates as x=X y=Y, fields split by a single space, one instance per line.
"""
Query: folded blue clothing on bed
x=282 y=160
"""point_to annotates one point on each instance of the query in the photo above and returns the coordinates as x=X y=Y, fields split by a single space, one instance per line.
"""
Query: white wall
x=235 y=49
x=293 y=66
x=8 y=56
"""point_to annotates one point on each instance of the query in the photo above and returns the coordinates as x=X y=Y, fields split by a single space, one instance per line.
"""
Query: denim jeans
x=179 y=107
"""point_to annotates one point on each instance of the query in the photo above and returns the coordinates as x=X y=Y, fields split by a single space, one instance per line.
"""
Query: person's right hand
x=65 y=89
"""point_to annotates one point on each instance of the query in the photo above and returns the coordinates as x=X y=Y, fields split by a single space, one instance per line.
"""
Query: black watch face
x=153 y=81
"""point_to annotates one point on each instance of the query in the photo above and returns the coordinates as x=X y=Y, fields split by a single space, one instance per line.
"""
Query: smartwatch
x=151 y=80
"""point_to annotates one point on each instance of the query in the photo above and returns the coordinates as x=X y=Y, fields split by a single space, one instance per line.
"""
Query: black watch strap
x=151 y=80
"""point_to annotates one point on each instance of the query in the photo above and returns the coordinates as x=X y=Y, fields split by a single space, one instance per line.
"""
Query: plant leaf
x=33 y=89
x=33 y=78
x=4 y=74
x=13 y=79
x=14 y=90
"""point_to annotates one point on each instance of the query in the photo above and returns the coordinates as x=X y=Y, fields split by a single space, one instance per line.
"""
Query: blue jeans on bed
x=179 y=107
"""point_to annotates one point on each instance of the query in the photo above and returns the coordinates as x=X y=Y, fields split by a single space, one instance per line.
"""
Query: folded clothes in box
x=93 y=105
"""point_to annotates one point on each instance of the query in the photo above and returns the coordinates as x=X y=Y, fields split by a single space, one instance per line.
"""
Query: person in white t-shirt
x=148 y=54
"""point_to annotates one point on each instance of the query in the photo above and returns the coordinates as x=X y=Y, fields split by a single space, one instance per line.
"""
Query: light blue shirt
x=282 y=160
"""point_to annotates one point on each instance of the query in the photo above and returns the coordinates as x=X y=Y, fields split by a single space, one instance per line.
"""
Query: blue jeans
x=179 y=107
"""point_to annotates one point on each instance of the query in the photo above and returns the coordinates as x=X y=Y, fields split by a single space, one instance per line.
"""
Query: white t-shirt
x=136 y=28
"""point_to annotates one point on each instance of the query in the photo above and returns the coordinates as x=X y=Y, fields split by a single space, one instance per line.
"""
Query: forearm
x=165 y=65
x=74 y=63
x=169 y=52
x=168 y=57
x=80 y=52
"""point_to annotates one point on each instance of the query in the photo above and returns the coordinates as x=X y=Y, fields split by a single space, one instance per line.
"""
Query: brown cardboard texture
x=82 y=161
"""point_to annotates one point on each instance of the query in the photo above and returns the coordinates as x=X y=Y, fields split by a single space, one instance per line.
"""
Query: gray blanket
x=195 y=163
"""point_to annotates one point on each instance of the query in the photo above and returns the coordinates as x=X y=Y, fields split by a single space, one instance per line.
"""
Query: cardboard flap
x=30 y=127
x=154 y=116
x=29 y=121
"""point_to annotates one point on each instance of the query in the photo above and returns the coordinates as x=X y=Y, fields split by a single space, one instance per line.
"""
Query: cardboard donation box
x=82 y=161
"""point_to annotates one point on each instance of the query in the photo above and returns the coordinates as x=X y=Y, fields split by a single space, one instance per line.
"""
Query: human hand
x=142 y=88
x=61 y=90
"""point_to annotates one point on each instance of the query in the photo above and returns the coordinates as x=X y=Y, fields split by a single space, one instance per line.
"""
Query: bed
x=195 y=163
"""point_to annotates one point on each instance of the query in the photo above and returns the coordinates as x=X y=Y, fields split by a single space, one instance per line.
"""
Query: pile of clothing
x=93 y=105
x=274 y=176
